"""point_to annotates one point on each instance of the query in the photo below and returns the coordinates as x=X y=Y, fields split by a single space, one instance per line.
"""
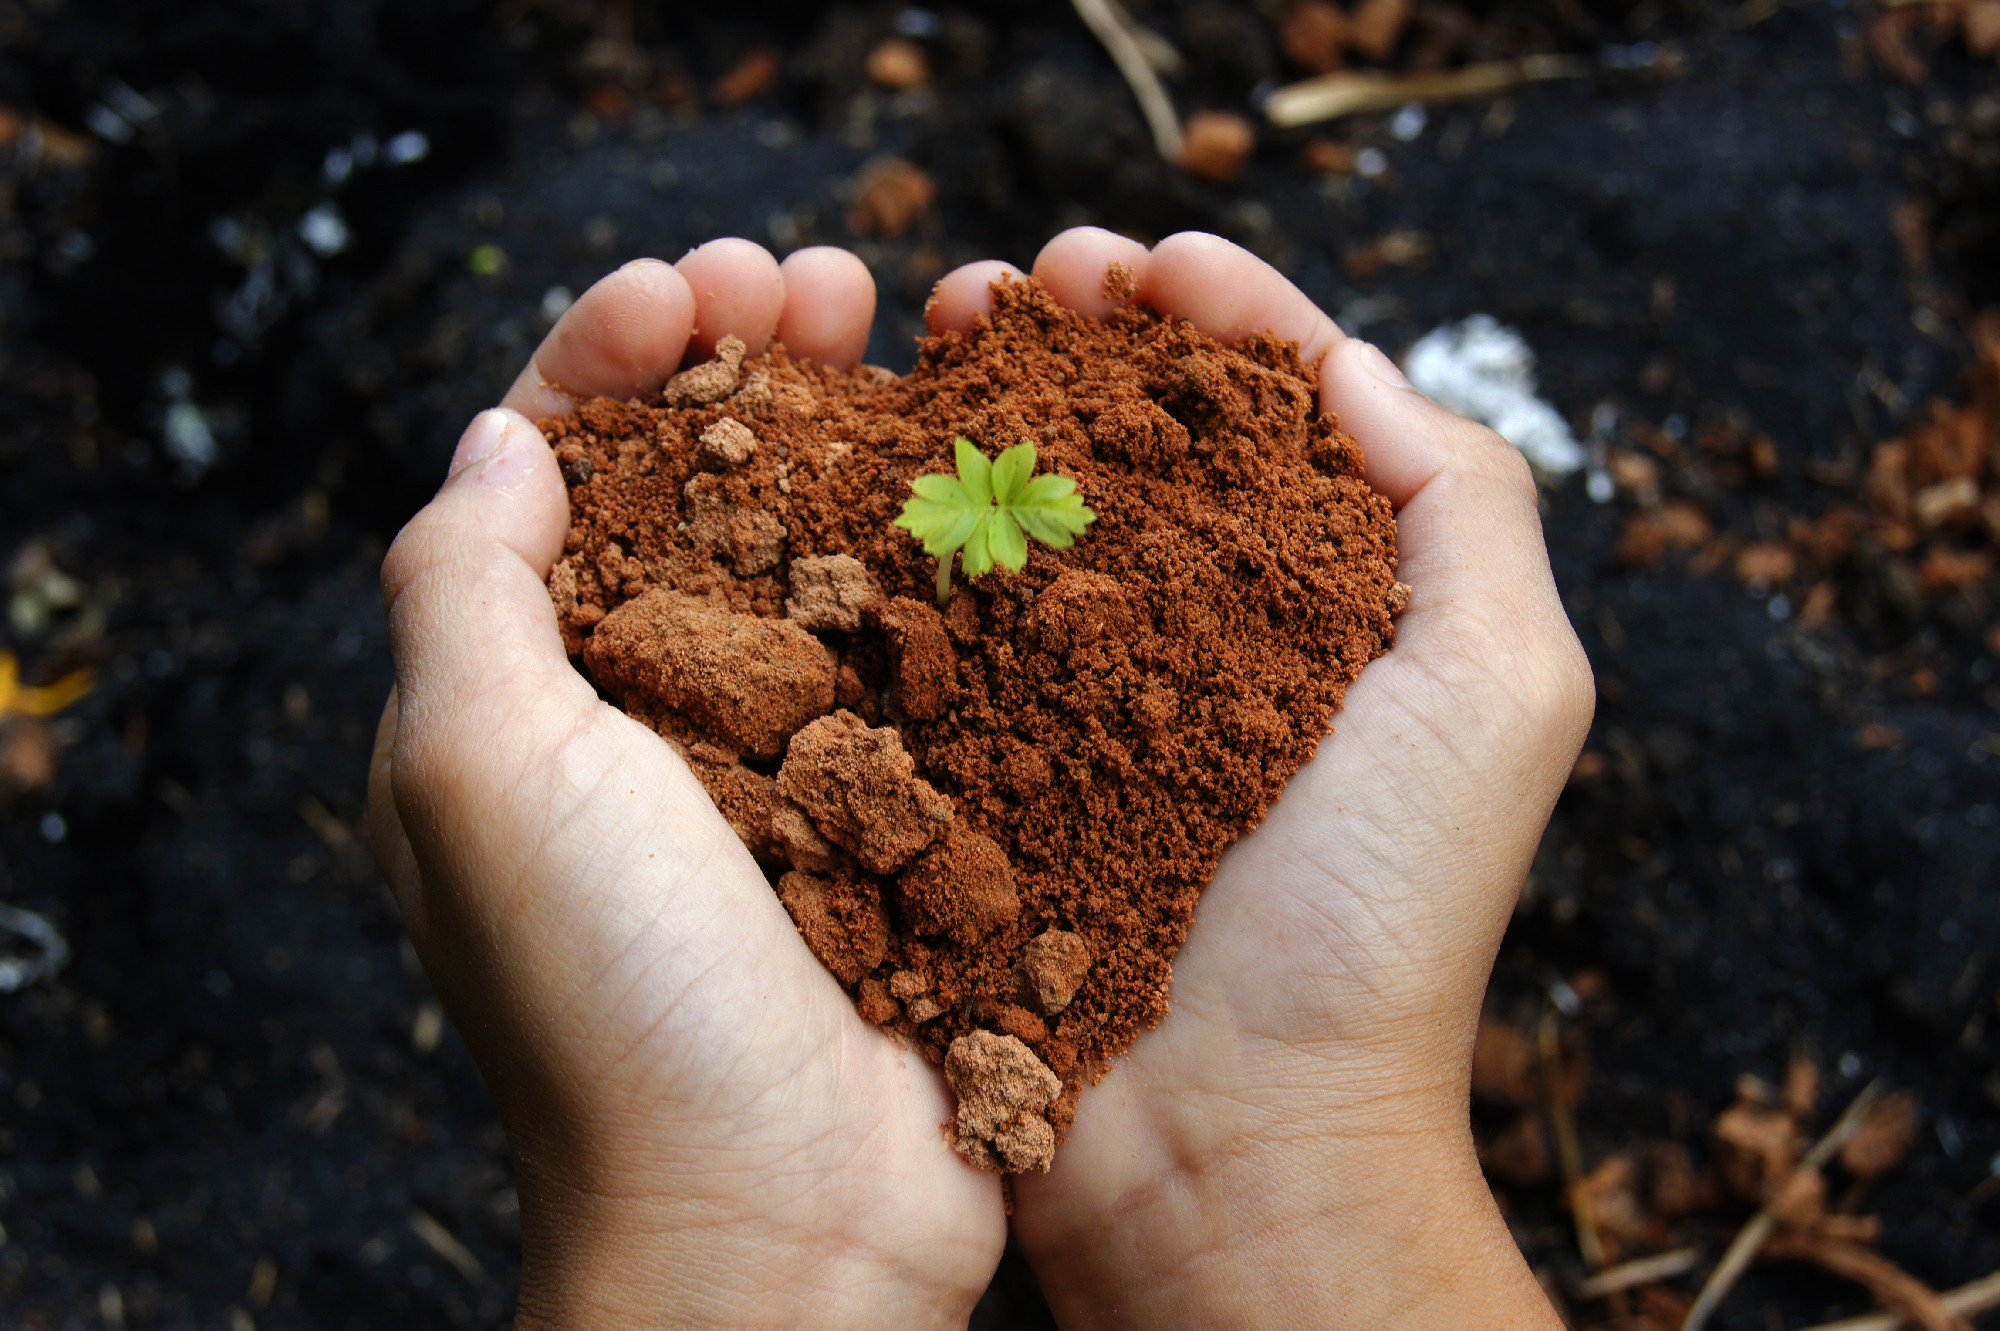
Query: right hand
x=1292 y=1144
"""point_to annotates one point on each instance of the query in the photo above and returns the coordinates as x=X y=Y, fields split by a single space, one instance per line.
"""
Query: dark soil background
x=235 y=1107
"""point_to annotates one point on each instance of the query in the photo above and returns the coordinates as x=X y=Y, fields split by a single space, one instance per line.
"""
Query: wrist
x=630 y=1262
x=1296 y=1224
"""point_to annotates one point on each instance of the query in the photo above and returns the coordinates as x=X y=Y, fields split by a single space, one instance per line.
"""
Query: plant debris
x=1352 y=92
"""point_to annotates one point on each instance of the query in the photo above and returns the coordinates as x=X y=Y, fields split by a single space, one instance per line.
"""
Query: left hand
x=704 y=1130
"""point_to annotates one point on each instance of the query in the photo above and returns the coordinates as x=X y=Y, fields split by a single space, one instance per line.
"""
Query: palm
x=693 y=1009
x=1333 y=936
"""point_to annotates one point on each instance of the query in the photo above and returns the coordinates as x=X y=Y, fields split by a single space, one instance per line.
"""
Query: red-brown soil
x=999 y=818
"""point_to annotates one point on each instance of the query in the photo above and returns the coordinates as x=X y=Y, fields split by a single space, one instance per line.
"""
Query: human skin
x=705 y=1132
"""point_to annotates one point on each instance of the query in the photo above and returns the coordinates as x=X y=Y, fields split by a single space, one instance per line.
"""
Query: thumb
x=502 y=753
x=1485 y=619
x=480 y=667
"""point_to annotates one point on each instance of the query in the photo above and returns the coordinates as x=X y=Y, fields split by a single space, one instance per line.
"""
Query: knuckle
x=409 y=555
x=432 y=547
x=1504 y=462
x=1557 y=691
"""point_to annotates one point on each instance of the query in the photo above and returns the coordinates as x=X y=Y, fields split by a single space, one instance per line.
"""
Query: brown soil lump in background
x=992 y=821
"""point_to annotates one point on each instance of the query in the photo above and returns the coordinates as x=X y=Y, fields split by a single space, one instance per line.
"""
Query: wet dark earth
x=238 y=1105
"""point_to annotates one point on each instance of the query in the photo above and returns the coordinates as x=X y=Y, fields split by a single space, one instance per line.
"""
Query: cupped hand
x=1291 y=1146
x=703 y=1129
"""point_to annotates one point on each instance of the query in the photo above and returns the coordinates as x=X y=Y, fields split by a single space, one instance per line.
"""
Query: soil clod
x=710 y=381
x=727 y=443
x=962 y=887
x=830 y=593
x=798 y=842
x=747 y=679
x=1002 y=1089
x=926 y=668
x=728 y=523
x=1052 y=969
x=842 y=920
x=862 y=791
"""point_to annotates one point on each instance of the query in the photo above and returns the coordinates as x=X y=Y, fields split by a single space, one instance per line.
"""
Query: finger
x=622 y=338
x=965 y=294
x=829 y=306
x=1406 y=439
x=1073 y=265
x=1229 y=293
x=738 y=292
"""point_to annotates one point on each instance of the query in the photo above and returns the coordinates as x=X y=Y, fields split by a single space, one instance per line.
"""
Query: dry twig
x=1128 y=52
x=1743 y=1250
x=1638 y=1271
x=1969 y=1300
x=1568 y=1151
x=446 y=1245
x=1350 y=92
x=1891 y=1285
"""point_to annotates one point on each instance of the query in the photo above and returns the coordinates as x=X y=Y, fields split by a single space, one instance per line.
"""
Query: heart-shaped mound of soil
x=990 y=824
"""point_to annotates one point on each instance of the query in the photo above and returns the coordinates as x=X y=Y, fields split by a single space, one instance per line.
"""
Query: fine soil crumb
x=1052 y=968
x=1002 y=1091
x=1063 y=753
x=1119 y=284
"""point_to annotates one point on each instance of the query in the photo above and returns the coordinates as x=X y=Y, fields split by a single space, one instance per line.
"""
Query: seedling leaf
x=978 y=551
x=1011 y=471
x=989 y=510
x=1052 y=511
x=1004 y=539
x=975 y=473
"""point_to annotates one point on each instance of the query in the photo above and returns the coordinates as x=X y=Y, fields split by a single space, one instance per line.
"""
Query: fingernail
x=1378 y=364
x=509 y=467
x=481 y=440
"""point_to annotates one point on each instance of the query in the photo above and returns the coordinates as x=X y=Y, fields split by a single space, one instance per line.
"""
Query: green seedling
x=987 y=509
